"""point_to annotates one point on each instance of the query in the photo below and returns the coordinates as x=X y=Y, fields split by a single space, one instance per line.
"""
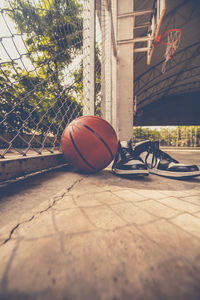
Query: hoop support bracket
x=136 y=13
x=135 y=40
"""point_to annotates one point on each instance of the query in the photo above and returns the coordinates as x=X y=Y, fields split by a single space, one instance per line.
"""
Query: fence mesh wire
x=41 y=73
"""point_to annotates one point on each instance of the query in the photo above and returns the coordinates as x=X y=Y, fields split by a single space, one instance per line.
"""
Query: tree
x=38 y=99
x=54 y=32
x=180 y=136
x=141 y=133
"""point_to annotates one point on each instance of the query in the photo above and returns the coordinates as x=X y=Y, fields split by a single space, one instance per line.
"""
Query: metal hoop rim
x=159 y=38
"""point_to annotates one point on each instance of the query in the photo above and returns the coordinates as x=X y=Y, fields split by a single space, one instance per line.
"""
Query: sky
x=8 y=28
x=11 y=46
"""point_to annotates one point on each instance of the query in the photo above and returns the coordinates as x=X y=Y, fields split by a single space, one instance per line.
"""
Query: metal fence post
x=89 y=57
x=109 y=64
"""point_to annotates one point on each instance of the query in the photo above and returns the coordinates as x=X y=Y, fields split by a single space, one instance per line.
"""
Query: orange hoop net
x=171 y=39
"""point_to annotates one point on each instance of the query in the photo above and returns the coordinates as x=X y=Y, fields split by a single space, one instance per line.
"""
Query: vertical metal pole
x=125 y=75
x=106 y=76
x=109 y=61
x=89 y=57
x=114 y=64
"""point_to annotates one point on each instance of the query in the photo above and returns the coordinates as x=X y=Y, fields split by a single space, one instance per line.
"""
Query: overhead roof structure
x=172 y=98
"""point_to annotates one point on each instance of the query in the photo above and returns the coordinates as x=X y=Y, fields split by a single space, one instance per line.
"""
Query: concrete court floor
x=100 y=237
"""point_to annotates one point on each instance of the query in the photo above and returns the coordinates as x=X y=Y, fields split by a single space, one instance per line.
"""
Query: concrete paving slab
x=158 y=209
x=71 y=236
x=189 y=223
x=195 y=199
x=197 y=214
x=107 y=198
x=180 y=205
x=129 y=195
x=132 y=214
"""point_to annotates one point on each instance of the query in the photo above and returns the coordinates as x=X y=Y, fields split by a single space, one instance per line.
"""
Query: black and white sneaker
x=160 y=163
x=127 y=162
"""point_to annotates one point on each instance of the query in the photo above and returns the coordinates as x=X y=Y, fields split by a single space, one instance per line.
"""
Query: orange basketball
x=89 y=144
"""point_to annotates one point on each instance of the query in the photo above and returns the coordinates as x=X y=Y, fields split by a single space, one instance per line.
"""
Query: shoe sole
x=130 y=172
x=175 y=174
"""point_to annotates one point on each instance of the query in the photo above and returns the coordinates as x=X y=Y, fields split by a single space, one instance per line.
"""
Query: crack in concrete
x=56 y=199
x=13 y=230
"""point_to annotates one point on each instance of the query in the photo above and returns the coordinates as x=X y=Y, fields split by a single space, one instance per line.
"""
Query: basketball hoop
x=171 y=39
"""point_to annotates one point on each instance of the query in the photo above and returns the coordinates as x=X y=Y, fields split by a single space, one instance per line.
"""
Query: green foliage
x=54 y=30
x=14 y=104
x=38 y=100
x=182 y=136
x=141 y=134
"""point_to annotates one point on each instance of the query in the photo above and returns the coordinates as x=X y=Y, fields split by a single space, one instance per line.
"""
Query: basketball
x=89 y=144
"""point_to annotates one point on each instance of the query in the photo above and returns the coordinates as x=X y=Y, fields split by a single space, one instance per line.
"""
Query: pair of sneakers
x=147 y=158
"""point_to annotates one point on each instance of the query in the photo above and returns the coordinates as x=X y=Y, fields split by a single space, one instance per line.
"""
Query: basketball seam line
x=101 y=139
x=76 y=148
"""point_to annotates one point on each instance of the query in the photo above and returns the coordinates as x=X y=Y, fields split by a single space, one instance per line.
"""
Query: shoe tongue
x=125 y=144
x=142 y=146
x=155 y=145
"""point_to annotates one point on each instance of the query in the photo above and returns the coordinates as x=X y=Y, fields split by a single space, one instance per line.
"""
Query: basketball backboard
x=156 y=21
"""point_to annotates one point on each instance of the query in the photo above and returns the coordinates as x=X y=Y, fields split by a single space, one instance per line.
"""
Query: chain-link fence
x=57 y=62
x=45 y=71
x=50 y=73
x=41 y=53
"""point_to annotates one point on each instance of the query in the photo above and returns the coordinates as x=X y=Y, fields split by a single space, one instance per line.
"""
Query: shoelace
x=127 y=154
x=157 y=154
